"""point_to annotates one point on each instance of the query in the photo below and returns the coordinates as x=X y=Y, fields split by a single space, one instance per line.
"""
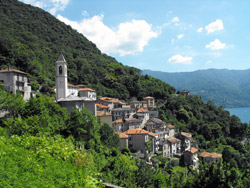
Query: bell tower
x=61 y=78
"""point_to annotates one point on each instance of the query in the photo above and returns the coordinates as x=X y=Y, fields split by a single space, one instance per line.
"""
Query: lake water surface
x=242 y=113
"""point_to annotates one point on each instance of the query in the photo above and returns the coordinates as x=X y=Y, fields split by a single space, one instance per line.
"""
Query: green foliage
x=109 y=137
x=32 y=39
x=84 y=127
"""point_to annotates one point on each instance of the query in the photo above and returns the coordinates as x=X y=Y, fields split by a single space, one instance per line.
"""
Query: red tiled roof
x=174 y=140
x=192 y=150
x=142 y=110
x=71 y=85
x=212 y=155
x=117 y=121
x=85 y=89
x=81 y=86
x=13 y=70
x=102 y=106
x=122 y=135
x=148 y=97
x=152 y=134
x=103 y=113
x=186 y=134
x=130 y=119
x=170 y=126
x=136 y=131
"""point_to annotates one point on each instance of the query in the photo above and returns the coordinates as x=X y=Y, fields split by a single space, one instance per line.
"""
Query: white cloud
x=200 y=30
x=180 y=59
x=214 y=26
x=50 y=5
x=216 y=45
x=180 y=36
x=175 y=19
x=129 y=38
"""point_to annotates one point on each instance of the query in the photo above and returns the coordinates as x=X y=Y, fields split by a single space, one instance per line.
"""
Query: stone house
x=122 y=125
x=143 y=114
x=118 y=125
x=16 y=81
x=210 y=157
x=105 y=117
x=123 y=140
x=138 y=139
x=171 y=131
x=150 y=101
x=122 y=113
x=156 y=125
x=87 y=92
x=185 y=140
x=174 y=147
x=191 y=157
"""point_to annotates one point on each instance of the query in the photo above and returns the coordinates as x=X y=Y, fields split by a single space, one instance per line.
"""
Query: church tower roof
x=61 y=58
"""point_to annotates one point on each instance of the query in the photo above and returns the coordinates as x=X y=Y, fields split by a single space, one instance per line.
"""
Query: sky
x=162 y=35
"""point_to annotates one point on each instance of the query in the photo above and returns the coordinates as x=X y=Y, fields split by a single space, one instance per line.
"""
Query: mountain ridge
x=229 y=88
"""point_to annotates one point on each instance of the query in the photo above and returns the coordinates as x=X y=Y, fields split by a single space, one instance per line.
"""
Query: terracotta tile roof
x=122 y=102
x=81 y=86
x=142 y=110
x=170 y=126
x=85 y=89
x=216 y=155
x=117 y=121
x=205 y=154
x=13 y=70
x=152 y=134
x=212 y=155
x=122 y=135
x=71 y=85
x=103 y=113
x=192 y=150
x=136 y=131
x=174 y=140
x=130 y=119
x=148 y=97
x=186 y=134
x=102 y=106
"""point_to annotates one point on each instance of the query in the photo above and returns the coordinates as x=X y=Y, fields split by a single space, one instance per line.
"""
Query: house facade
x=16 y=81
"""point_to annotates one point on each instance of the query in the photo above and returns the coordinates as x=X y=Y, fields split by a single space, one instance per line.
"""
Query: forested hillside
x=32 y=39
x=41 y=145
x=229 y=88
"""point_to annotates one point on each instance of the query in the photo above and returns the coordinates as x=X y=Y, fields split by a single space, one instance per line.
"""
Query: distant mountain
x=229 y=88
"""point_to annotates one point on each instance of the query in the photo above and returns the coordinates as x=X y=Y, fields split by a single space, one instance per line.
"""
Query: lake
x=242 y=113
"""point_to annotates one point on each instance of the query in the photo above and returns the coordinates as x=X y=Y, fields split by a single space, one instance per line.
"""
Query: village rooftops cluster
x=135 y=121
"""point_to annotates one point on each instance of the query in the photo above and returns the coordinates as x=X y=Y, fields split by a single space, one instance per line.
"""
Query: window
x=60 y=70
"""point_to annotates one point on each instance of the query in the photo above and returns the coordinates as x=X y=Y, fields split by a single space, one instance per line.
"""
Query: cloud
x=50 y=5
x=200 y=30
x=175 y=19
x=216 y=45
x=180 y=59
x=214 y=26
x=85 y=13
x=128 y=38
x=180 y=36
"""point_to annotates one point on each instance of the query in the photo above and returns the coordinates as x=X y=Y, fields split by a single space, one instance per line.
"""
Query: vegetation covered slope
x=43 y=146
x=32 y=39
x=229 y=88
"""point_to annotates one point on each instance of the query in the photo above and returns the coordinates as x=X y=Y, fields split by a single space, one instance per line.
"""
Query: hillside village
x=136 y=122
